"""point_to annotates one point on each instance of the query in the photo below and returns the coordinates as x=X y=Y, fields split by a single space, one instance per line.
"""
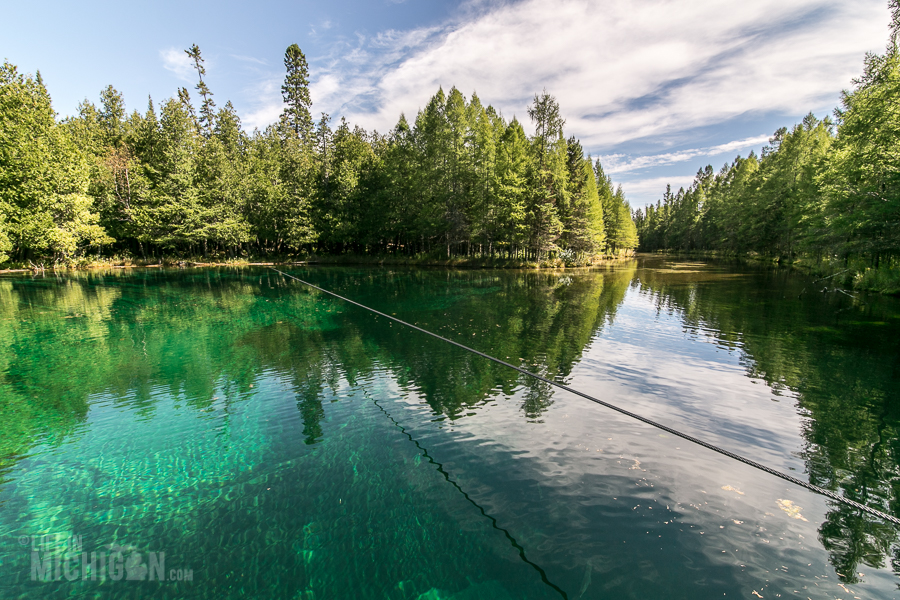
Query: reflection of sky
x=649 y=363
x=575 y=470
x=607 y=506
x=587 y=490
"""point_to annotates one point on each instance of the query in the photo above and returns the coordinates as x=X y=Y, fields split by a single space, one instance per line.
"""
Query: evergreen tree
x=583 y=227
x=484 y=127
x=295 y=92
x=548 y=185
x=457 y=203
x=862 y=177
x=208 y=106
x=400 y=185
x=220 y=174
x=434 y=146
x=111 y=117
x=44 y=176
x=624 y=237
x=514 y=163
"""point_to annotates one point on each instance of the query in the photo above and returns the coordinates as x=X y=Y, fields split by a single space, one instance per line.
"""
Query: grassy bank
x=120 y=262
x=468 y=262
x=858 y=274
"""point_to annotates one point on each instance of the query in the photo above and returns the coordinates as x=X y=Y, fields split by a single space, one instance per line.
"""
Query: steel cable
x=789 y=478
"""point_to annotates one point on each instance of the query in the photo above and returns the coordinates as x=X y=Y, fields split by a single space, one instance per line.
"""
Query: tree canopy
x=457 y=180
x=824 y=187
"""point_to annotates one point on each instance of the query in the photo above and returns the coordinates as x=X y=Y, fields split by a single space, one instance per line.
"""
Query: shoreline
x=453 y=263
x=851 y=273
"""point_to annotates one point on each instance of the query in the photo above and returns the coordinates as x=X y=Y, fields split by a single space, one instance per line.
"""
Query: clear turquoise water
x=274 y=443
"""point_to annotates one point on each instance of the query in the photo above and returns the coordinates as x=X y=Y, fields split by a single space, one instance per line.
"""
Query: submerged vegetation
x=176 y=180
x=204 y=358
x=826 y=191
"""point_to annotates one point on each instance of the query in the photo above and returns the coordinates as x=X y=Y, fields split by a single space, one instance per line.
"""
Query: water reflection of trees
x=207 y=336
x=839 y=357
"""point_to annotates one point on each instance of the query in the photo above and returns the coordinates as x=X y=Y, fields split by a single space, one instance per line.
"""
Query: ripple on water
x=283 y=446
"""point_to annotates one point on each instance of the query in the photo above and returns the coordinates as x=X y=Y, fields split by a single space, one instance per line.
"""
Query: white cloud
x=642 y=192
x=342 y=81
x=266 y=103
x=621 y=163
x=261 y=117
x=249 y=59
x=177 y=62
x=648 y=74
x=621 y=70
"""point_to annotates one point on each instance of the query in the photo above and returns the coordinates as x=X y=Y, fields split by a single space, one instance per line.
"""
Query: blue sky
x=656 y=88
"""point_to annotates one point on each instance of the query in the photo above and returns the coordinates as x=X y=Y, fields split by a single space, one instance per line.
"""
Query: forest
x=185 y=179
x=824 y=190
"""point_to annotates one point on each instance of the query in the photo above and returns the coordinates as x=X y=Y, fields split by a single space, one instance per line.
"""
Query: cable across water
x=484 y=513
x=789 y=478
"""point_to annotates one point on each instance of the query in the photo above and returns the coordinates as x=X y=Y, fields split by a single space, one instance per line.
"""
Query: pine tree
x=548 y=180
x=457 y=206
x=583 y=228
x=295 y=92
x=514 y=163
x=482 y=140
x=111 y=116
x=45 y=208
x=208 y=106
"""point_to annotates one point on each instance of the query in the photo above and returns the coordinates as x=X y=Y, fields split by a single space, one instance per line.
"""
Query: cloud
x=261 y=117
x=621 y=71
x=323 y=26
x=638 y=83
x=266 y=102
x=342 y=79
x=249 y=59
x=177 y=62
x=620 y=163
x=642 y=192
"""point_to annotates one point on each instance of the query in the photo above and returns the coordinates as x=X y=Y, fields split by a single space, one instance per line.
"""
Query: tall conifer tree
x=208 y=106
x=295 y=92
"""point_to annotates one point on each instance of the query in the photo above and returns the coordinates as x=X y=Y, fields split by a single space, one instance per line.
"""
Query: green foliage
x=584 y=232
x=44 y=204
x=208 y=107
x=460 y=181
x=548 y=177
x=621 y=234
x=814 y=191
x=295 y=91
x=862 y=177
x=513 y=166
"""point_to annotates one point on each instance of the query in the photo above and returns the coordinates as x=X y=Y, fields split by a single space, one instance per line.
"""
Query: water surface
x=275 y=443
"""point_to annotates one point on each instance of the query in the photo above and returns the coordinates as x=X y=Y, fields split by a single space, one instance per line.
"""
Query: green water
x=261 y=440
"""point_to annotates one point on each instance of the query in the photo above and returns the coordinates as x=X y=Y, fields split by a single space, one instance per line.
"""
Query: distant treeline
x=186 y=179
x=825 y=189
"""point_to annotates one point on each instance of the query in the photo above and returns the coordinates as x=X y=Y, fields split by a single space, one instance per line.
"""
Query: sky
x=656 y=88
